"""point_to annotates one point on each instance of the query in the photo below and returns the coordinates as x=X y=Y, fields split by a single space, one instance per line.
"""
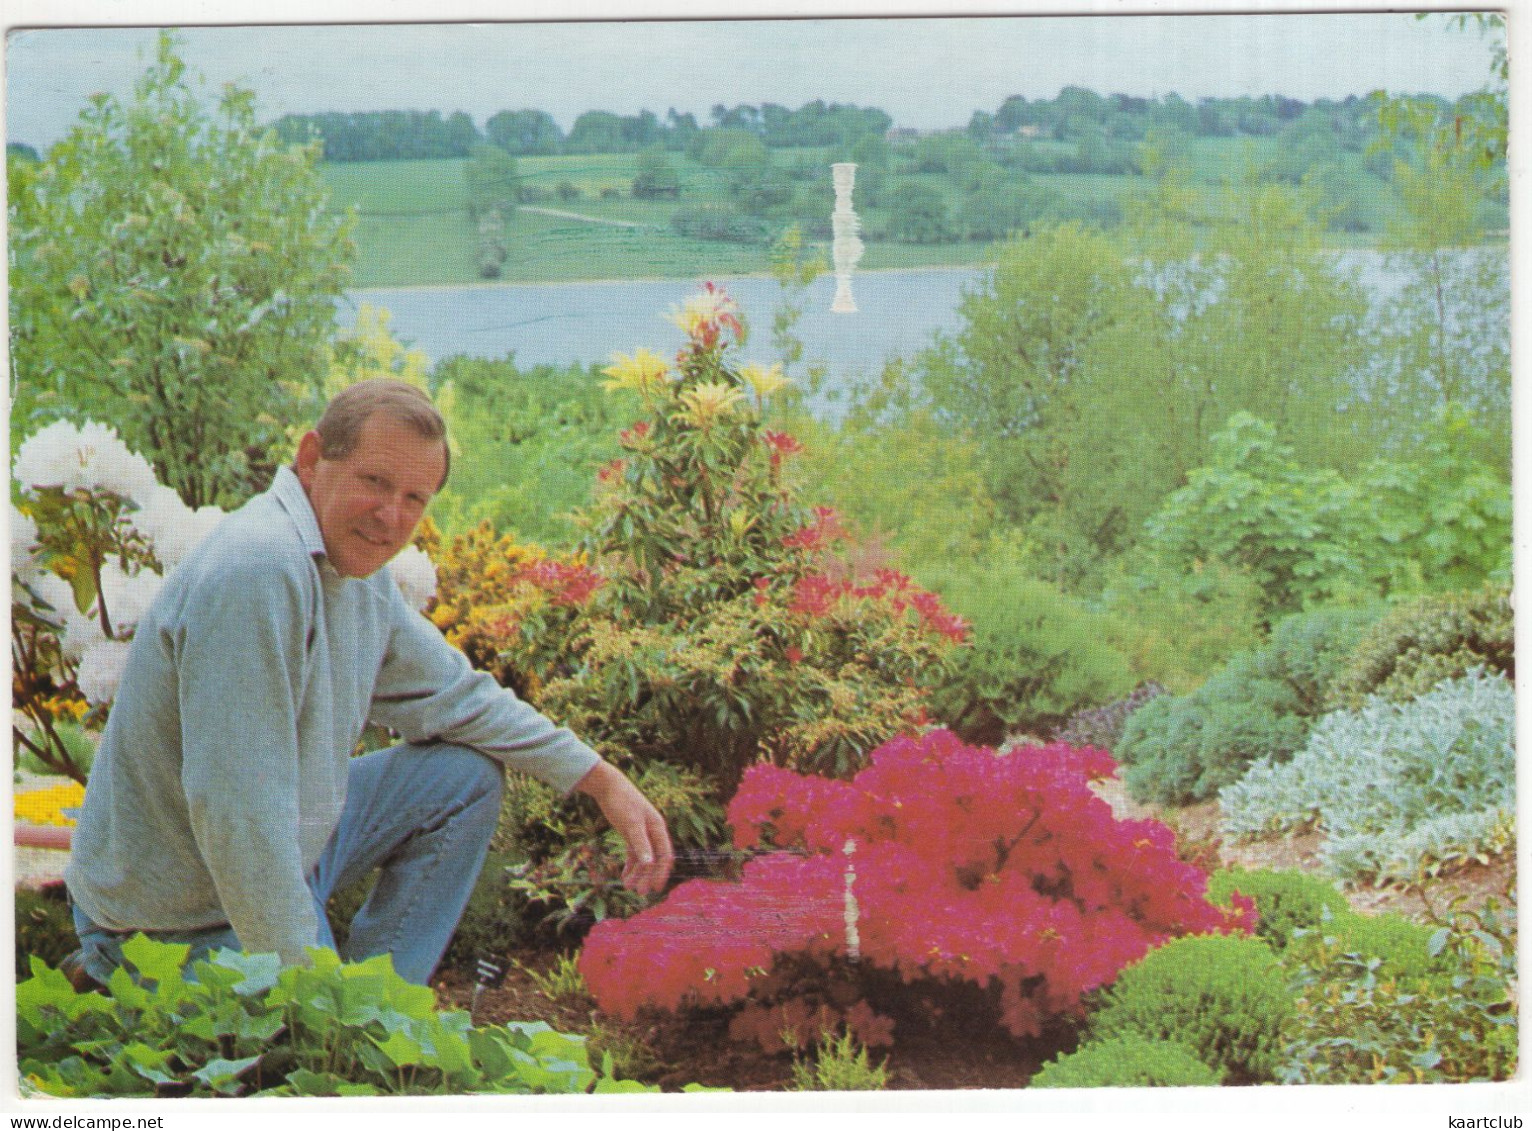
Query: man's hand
x=642 y=828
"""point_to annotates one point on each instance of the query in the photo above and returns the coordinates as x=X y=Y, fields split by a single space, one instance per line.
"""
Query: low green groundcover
x=240 y=1025
x=1128 y=1061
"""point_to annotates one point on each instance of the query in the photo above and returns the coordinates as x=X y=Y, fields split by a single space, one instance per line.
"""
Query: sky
x=928 y=73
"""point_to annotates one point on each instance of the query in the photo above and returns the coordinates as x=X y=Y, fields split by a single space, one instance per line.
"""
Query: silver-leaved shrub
x=1397 y=789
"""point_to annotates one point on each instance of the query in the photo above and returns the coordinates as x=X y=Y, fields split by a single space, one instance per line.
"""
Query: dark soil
x=673 y=1051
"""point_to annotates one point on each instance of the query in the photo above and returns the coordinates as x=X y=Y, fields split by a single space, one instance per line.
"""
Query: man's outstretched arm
x=642 y=828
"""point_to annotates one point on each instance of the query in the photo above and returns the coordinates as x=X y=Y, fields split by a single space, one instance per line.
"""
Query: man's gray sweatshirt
x=222 y=770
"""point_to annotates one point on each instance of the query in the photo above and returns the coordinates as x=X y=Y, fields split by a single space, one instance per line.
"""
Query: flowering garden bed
x=939 y=1054
x=867 y=901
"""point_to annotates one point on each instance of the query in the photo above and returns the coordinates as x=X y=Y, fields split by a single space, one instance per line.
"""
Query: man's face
x=369 y=503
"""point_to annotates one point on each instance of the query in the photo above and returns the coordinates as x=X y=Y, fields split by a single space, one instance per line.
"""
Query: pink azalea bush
x=938 y=864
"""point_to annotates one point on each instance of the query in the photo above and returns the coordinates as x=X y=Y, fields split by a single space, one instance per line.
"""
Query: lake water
x=563 y=323
x=897 y=313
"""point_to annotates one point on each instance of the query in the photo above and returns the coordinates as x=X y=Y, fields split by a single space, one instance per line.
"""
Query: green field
x=413 y=227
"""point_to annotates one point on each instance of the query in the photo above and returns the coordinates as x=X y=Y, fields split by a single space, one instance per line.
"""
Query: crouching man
x=224 y=806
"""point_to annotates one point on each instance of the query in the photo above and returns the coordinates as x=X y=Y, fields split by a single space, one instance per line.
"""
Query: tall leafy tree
x=491 y=182
x=1451 y=348
x=596 y=131
x=174 y=274
x=1094 y=368
x=1020 y=372
x=525 y=132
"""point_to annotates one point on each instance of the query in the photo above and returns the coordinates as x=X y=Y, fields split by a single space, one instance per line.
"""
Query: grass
x=412 y=223
x=839 y=1064
x=549 y=249
x=562 y=983
x=413 y=227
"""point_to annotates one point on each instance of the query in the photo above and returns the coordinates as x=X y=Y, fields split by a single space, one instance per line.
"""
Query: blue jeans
x=424 y=815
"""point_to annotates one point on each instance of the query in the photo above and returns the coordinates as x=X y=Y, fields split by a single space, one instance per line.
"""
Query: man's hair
x=340 y=428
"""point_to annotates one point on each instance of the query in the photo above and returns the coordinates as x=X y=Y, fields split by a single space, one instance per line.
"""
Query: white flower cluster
x=172 y=527
x=415 y=575
x=92 y=459
x=23 y=546
x=89 y=458
x=82 y=641
x=100 y=671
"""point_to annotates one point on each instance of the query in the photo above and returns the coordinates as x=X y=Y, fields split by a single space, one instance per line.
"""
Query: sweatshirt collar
x=293 y=499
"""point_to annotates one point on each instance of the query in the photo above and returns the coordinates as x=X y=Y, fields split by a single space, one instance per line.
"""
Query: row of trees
x=1076 y=112
x=379 y=135
x=1110 y=125
x=382 y=135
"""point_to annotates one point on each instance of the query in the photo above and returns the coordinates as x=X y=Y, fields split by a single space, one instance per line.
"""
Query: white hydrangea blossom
x=160 y=513
x=100 y=670
x=80 y=630
x=172 y=527
x=127 y=599
x=23 y=546
x=128 y=596
x=86 y=458
x=415 y=575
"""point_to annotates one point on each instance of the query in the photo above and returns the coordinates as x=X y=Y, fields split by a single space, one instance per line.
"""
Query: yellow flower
x=706 y=315
x=697 y=310
x=764 y=382
x=64 y=707
x=643 y=372
x=45 y=806
x=705 y=404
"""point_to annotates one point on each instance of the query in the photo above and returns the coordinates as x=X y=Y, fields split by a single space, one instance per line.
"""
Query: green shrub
x=1308 y=535
x=493 y=922
x=1179 y=628
x=1430 y=639
x=1400 y=947
x=1399 y=789
x=1102 y=726
x=242 y=1025
x=1308 y=652
x=1036 y=656
x=1260 y=705
x=44 y=926
x=890 y=464
x=1292 y=527
x=1185 y=749
x=568 y=877
x=1285 y=900
x=1224 y=997
x=534 y=818
x=839 y=1064
x=1301 y=913
x=1128 y=1061
x=1358 y=1022
x=527 y=443
x=723 y=222
x=730 y=623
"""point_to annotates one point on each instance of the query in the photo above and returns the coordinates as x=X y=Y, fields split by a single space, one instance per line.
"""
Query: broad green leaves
x=237 y=1025
x=1306 y=534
